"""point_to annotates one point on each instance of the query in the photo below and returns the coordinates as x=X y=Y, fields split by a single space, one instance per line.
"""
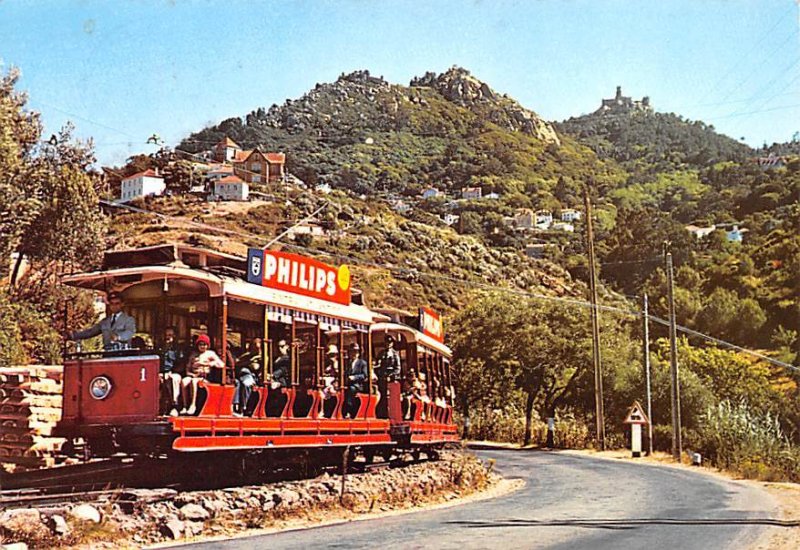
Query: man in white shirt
x=117 y=327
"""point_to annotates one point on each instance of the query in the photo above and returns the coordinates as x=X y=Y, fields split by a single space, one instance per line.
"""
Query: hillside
x=396 y=261
x=644 y=140
x=449 y=130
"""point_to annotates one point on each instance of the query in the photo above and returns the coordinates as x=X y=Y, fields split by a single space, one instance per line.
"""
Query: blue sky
x=122 y=71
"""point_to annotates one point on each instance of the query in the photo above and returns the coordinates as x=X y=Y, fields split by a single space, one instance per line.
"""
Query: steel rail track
x=109 y=478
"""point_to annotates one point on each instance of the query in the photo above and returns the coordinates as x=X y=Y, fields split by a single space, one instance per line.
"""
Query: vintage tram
x=114 y=399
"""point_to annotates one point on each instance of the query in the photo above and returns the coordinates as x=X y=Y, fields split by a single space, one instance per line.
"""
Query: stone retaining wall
x=139 y=517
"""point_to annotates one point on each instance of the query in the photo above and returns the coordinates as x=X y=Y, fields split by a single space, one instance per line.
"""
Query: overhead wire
x=482 y=286
x=766 y=34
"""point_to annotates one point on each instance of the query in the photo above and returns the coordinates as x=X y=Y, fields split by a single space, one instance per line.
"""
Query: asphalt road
x=568 y=502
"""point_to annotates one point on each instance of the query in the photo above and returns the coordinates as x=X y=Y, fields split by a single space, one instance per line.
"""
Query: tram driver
x=117 y=327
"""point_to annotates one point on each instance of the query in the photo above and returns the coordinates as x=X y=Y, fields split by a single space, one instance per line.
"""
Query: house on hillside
x=218 y=171
x=544 y=218
x=306 y=228
x=524 y=218
x=231 y=188
x=733 y=233
x=257 y=166
x=700 y=232
x=450 y=219
x=432 y=193
x=492 y=196
x=772 y=161
x=142 y=184
x=562 y=226
x=226 y=150
x=323 y=188
x=471 y=193
x=570 y=215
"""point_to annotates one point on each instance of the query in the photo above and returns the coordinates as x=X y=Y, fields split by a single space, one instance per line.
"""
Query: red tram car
x=114 y=400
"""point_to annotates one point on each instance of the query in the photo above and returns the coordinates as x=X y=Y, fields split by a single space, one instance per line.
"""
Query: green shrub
x=736 y=437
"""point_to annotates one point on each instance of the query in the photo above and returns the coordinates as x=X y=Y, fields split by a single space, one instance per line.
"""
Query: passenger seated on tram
x=247 y=368
x=280 y=379
x=357 y=376
x=173 y=363
x=421 y=390
x=201 y=363
x=330 y=381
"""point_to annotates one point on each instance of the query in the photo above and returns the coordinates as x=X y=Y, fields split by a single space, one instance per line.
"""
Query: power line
x=738 y=62
x=473 y=284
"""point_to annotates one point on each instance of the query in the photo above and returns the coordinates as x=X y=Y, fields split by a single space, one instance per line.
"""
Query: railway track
x=118 y=478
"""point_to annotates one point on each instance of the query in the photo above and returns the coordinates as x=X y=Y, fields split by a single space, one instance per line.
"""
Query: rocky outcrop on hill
x=460 y=87
x=376 y=103
x=324 y=130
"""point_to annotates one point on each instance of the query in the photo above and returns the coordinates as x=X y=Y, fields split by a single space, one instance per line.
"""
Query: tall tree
x=20 y=175
x=540 y=347
x=49 y=215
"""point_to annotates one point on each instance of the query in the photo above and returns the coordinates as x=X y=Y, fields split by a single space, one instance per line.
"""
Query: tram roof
x=416 y=336
x=120 y=279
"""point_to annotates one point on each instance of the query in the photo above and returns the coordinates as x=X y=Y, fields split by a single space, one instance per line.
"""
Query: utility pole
x=675 y=390
x=646 y=318
x=598 y=374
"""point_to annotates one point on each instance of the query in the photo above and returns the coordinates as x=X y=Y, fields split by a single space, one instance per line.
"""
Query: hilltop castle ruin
x=624 y=104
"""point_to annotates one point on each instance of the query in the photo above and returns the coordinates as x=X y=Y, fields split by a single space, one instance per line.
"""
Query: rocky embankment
x=142 y=517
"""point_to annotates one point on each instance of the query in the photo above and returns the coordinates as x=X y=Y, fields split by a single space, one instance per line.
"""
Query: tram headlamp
x=100 y=387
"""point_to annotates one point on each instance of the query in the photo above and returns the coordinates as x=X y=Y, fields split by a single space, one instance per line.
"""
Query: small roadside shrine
x=636 y=418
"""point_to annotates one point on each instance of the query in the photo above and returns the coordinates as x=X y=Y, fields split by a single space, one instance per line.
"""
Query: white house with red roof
x=231 y=188
x=142 y=184
x=226 y=150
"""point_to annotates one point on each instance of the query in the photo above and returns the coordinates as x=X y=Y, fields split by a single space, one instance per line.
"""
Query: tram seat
x=219 y=399
x=332 y=407
x=288 y=408
x=431 y=411
x=372 y=405
x=367 y=405
x=260 y=395
x=416 y=409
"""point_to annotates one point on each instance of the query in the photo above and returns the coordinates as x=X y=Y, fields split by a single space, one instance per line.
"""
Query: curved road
x=568 y=502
